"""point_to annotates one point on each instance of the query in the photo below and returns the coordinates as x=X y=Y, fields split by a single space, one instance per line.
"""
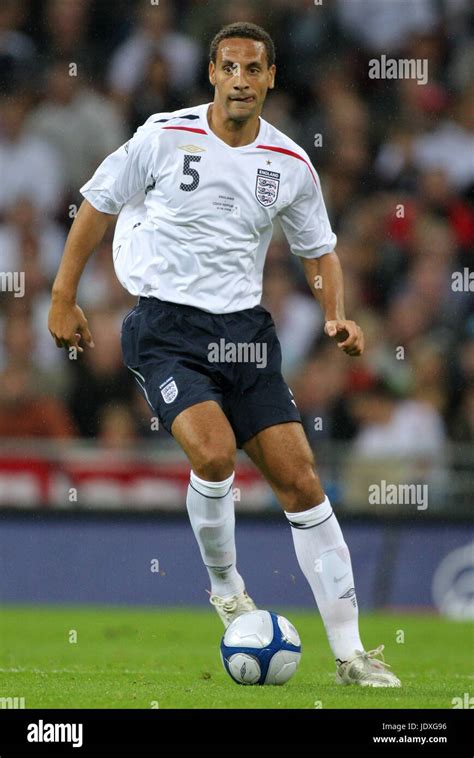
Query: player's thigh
x=283 y=455
x=205 y=435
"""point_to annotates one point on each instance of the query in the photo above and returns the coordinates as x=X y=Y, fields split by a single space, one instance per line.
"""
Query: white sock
x=324 y=559
x=211 y=512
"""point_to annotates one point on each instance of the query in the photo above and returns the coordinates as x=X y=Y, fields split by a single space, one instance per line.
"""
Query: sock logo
x=340 y=578
x=350 y=595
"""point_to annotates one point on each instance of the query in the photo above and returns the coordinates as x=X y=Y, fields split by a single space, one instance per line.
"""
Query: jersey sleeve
x=123 y=173
x=305 y=220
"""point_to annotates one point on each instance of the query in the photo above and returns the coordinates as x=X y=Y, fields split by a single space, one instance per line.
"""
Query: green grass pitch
x=144 y=658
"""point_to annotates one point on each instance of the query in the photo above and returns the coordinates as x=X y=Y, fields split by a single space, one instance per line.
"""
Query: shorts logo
x=266 y=187
x=169 y=390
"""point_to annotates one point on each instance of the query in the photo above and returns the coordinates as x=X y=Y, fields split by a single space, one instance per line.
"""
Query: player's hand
x=348 y=335
x=68 y=325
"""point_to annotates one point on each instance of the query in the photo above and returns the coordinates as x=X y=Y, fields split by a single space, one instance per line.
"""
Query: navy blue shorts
x=181 y=355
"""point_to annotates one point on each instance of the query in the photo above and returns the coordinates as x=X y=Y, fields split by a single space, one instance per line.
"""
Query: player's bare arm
x=324 y=276
x=66 y=321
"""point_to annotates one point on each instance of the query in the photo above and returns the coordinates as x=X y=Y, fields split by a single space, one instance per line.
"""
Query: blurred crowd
x=396 y=163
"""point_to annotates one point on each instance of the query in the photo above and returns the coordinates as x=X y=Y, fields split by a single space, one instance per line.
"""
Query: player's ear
x=271 y=76
x=212 y=73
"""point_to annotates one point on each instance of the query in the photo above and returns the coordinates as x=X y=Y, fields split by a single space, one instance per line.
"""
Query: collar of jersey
x=258 y=138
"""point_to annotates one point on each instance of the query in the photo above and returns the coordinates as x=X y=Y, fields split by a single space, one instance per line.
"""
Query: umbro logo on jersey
x=169 y=390
x=267 y=186
x=192 y=148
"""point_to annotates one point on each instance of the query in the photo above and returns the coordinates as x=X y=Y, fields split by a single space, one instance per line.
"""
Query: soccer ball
x=261 y=647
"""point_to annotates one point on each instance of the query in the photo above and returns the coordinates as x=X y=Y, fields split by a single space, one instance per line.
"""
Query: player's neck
x=234 y=133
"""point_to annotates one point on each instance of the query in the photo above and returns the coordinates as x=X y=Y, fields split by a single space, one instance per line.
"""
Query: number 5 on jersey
x=188 y=171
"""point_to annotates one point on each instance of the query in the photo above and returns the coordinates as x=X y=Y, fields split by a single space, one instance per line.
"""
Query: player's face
x=241 y=77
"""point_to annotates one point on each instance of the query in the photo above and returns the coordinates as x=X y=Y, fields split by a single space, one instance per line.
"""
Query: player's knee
x=302 y=489
x=214 y=465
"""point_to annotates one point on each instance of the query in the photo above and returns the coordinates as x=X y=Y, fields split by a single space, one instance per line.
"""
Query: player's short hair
x=246 y=30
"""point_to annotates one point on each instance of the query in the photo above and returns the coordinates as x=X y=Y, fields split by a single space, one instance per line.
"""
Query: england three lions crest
x=266 y=187
x=169 y=390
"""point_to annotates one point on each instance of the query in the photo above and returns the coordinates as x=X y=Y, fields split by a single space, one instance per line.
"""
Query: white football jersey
x=196 y=215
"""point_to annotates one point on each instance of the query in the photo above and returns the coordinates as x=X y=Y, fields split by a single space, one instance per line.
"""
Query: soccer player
x=196 y=192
